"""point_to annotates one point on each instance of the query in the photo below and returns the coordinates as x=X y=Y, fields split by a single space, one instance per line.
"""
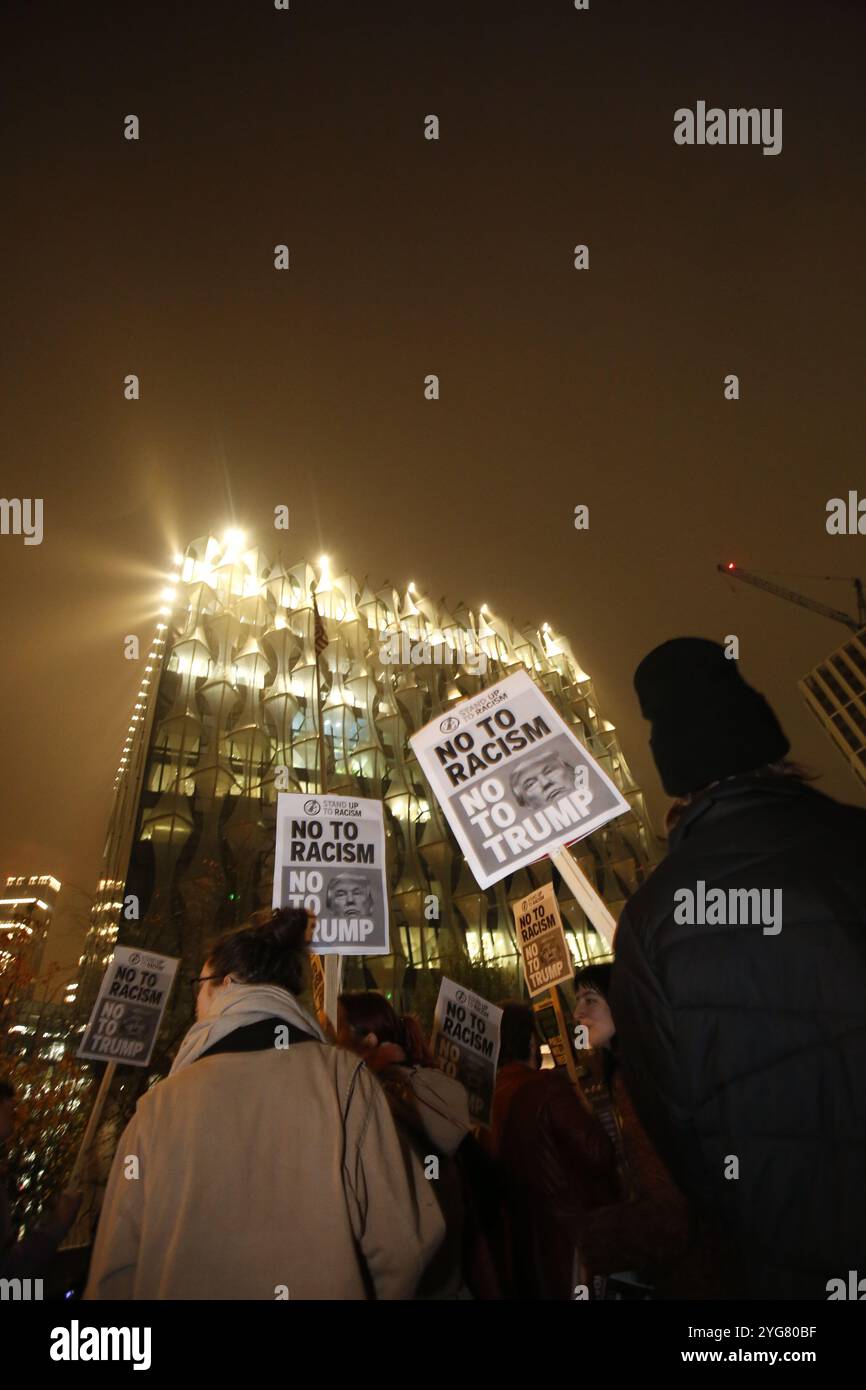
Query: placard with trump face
x=330 y=857
x=541 y=941
x=512 y=778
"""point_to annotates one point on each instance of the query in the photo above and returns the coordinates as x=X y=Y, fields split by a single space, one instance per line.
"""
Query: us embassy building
x=244 y=691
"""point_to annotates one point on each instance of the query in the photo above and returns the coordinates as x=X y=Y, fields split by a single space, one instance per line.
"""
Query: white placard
x=465 y=1044
x=129 y=1007
x=512 y=778
x=330 y=857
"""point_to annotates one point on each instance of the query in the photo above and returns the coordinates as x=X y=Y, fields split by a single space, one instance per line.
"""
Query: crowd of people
x=713 y=1145
x=286 y=1158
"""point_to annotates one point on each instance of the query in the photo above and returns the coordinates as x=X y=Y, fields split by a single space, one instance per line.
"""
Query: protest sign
x=554 y=1032
x=129 y=1008
x=466 y=1044
x=541 y=939
x=512 y=778
x=330 y=857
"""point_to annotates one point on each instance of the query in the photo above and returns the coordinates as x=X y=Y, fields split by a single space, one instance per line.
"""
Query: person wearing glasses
x=267 y=1164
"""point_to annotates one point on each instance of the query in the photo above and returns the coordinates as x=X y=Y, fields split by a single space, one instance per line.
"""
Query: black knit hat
x=707 y=723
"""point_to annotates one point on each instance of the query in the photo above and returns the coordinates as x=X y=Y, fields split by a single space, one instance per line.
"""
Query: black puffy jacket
x=742 y=1044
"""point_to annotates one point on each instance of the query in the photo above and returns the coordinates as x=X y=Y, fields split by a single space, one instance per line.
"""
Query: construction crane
x=836 y=614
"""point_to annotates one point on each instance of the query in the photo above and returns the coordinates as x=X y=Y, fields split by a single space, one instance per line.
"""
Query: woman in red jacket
x=555 y=1160
x=646 y=1243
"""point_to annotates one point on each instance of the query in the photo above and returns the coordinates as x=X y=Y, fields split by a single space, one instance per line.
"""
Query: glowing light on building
x=243 y=703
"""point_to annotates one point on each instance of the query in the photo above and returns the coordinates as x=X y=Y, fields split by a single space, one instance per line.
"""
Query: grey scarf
x=235 y=1006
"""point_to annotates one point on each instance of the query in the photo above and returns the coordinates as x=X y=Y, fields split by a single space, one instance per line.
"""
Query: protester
x=395 y=1049
x=742 y=1013
x=645 y=1243
x=267 y=1165
x=430 y=1109
x=556 y=1162
x=30 y=1257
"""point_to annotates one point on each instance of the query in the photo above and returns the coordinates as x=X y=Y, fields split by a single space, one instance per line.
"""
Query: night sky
x=408 y=256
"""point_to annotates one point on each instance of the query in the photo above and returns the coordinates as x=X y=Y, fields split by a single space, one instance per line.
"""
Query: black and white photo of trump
x=353 y=910
x=545 y=777
x=349 y=894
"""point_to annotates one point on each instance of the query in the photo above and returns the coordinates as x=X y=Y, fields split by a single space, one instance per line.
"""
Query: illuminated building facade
x=26 y=908
x=835 y=692
x=238 y=707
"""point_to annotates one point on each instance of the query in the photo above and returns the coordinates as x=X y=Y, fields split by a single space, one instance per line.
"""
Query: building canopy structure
x=245 y=692
x=835 y=691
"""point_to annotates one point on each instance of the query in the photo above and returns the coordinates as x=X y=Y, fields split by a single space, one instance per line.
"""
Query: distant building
x=242 y=692
x=835 y=692
x=26 y=908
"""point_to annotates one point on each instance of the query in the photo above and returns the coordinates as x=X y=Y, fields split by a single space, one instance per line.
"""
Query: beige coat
x=262 y=1173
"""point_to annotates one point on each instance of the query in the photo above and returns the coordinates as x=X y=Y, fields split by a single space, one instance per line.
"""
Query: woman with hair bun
x=267 y=1164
